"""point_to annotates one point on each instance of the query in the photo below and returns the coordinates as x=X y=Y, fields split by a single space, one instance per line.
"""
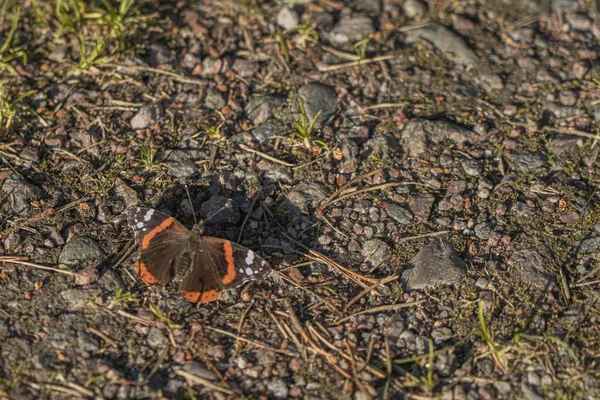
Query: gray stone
x=434 y=264
x=351 y=30
x=441 y=335
x=483 y=231
x=181 y=163
x=244 y=68
x=158 y=54
x=304 y=197
x=147 y=116
x=419 y=134
x=414 y=9
x=376 y=252
x=156 y=338
x=260 y=109
x=318 y=97
x=220 y=210
x=385 y=146
x=21 y=193
x=399 y=214
x=77 y=298
x=125 y=193
x=79 y=251
x=279 y=173
x=565 y=5
x=214 y=100
x=211 y=66
x=525 y=161
x=471 y=167
x=199 y=369
x=287 y=18
x=278 y=388
x=264 y=132
x=445 y=41
x=587 y=246
x=421 y=205
x=529 y=264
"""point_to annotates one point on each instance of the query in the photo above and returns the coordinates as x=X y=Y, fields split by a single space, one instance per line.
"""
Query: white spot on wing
x=250 y=258
x=144 y=229
x=241 y=270
x=139 y=225
x=148 y=215
x=249 y=272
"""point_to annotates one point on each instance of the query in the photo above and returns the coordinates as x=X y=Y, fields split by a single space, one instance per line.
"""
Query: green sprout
x=8 y=109
x=69 y=14
x=116 y=19
x=304 y=129
x=94 y=58
x=148 y=156
x=486 y=335
x=361 y=46
x=428 y=380
x=159 y=314
x=120 y=297
x=280 y=39
x=6 y=55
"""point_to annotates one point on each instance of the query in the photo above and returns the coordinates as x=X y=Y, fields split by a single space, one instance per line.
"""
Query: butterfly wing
x=220 y=264
x=161 y=240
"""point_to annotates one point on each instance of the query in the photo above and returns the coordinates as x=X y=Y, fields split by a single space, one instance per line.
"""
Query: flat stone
x=156 y=338
x=261 y=109
x=445 y=41
x=278 y=388
x=21 y=193
x=318 y=97
x=304 y=197
x=199 y=369
x=529 y=264
x=220 y=210
x=399 y=214
x=419 y=134
x=79 y=251
x=526 y=161
x=181 y=163
x=587 y=246
x=436 y=263
x=351 y=30
x=421 y=205
x=376 y=252
x=287 y=18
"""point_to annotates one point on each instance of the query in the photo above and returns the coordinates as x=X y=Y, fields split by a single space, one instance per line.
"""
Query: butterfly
x=204 y=266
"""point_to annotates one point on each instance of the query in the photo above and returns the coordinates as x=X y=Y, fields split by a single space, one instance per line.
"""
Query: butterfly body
x=204 y=266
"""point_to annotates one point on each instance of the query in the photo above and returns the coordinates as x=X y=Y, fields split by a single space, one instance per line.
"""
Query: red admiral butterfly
x=205 y=266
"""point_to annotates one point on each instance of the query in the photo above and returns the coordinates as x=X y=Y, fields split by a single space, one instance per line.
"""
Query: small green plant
x=306 y=33
x=94 y=58
x=304 y=129
x=428 y=379
x=158 y=313
x=280 y=39
x=9 y=109
x=486 y=335
x=121 y=297
x=361 y=46
x=69 y=14
x=117 y=19
x=148 y=156
x=6 y=55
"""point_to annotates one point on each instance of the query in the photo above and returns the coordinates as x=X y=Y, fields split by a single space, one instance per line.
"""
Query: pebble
x=419 y=134
x=435 y=263
x=199 y=369
x=376 y=252
x=278 y=388
x=421 y=205
x=147 y=116
x=399 y=214
x=351 y=30
x=21 y=193
x=156 y=338
x=287 y=18
x=79 y=251
x=304 y=197
x=181 y=163
x=587 y=246
x=261 y=108
x=414 y=9
x=318 y=97
x=531 y=267
x=445 y=41
x=220 y=210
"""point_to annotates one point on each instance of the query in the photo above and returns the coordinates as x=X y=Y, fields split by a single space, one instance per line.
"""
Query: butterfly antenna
x=191 y=204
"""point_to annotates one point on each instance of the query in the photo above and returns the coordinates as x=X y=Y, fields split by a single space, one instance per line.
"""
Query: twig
x=262 y=346
x=325 y=301
x=423 y=235
x=202 y=381
x=355 y=63
x=341 y=54
x=331 y=198
x=571 y=132
x=367 y=290
x=18 y=260
x=369 y=189
x=248 y=215
x=103 y=336
x=268 y=157
x=243 y=317
x=173 y=75
x=381 y=308
x=135 y=318
x=385 y=105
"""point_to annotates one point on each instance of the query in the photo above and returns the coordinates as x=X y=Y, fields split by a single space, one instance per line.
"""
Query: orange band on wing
x=202 y=297
x=142 y=270
x=158 y=229
x=230 y=276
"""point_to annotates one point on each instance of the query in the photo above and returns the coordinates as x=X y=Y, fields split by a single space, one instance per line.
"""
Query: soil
x=421 y=177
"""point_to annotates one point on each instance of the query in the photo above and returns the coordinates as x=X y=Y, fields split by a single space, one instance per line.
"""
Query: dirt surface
x=422 y=178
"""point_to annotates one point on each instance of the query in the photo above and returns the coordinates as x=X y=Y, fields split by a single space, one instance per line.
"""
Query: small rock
x=525 y=161
x=433 y=264
x=567 y=98
x=287 y=18
x=214 y=100
x=419 y=134
x=244 y=68
x=567 y=6
x=158 y=54
x=376 y=252
x=211 y=66
x=445 y=41
x=483 y=231
x=318 y=97
x=304 y=197
x=351 y=30
x=147 y=116
x=199 y=369
x=86 y=276
x=570 y=218
x=181 y=164
x=264 y=132
x=399 y=214
x=441 y=335
x=220 y=210
x=530 y=266
x=278 y=388
x=471 y=167
x=21 y=193
x=156 y=338
x=421 y=205
x=125 y=193
x=414 y=9
x=12 y=241
x=260 y=109
x=587 y=246
x=79 y=251
x=77 y=298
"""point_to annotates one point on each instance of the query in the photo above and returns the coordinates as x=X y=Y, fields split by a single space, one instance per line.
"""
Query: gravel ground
x=422 y=178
